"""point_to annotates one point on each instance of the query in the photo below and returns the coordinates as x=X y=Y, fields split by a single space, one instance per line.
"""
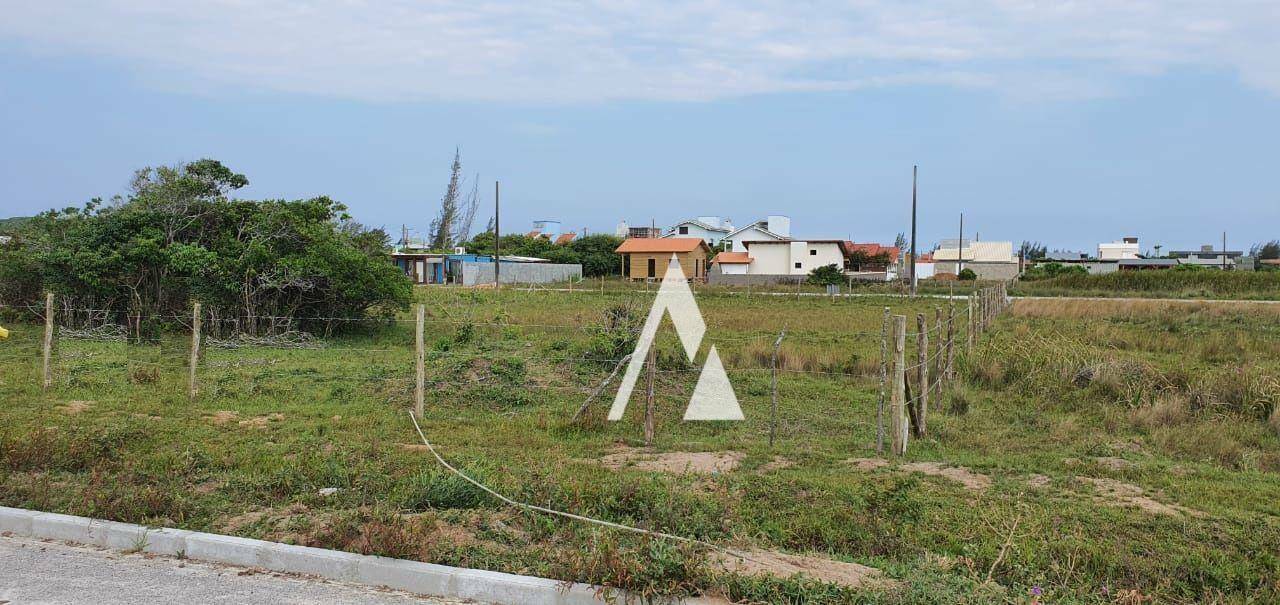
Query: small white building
x=791 y=257
x=1125 y=249
x=732 y=263
x=773 y=228
x=712 y=229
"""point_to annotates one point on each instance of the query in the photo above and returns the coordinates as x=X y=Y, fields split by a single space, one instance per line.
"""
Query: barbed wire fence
x=902 y=409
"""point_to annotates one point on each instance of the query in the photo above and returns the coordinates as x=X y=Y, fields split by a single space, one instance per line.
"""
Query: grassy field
x=1208 y=283
x=1094 y=453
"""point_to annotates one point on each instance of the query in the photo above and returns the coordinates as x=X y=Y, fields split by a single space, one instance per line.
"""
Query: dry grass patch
x=71 y=408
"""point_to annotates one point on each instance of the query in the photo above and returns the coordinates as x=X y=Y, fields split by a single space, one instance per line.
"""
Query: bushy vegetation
x=826 y=275
x=1159 y=284
x=1052 y=270
x=594 y=252
x=178 y=237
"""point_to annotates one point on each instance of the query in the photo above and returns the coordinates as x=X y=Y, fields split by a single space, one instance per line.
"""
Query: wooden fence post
x=969 y=332
x=648 y=402
x=884 y=380
x=922 y=374
x=897 y=400
x=420 y=364
x=194 y=361
x=48 y=339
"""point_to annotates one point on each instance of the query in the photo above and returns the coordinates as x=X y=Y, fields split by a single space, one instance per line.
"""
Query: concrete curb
x=410 y=576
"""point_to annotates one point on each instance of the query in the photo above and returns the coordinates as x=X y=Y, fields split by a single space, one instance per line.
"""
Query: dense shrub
x=177 y=237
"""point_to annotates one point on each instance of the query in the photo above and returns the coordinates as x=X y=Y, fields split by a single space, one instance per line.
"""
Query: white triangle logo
x=713 y=397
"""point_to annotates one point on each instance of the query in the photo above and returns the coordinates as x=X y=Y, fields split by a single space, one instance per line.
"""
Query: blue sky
x=1069 y=125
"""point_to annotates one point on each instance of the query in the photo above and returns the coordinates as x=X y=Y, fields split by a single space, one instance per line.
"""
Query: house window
x=653 y=267
x=813 y=252
x=684 y=230
x=797 y=265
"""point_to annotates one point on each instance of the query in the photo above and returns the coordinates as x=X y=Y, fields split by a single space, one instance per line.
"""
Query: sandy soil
x=1117 y=493
x=959 y=474
x=71 y=408
x=781 y=565
x=673 y=462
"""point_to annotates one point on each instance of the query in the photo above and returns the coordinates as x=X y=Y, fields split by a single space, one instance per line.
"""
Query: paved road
x=34 y=571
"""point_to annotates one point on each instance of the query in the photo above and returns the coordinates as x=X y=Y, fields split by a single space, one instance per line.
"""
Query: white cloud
x=560 y=51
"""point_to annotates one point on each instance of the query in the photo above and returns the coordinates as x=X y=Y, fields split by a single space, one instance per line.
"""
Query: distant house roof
x=696 y=222
x=761 y=226
x=979 y=252
x=843 y=244
x=925 y=258
x=1061 y=257
x=732 y=258
x=873 y=250
x=566 y=238
x=663 y=244
x=534 y=233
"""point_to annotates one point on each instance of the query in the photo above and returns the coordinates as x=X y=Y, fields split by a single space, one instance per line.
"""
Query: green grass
x=1247 y=285
x=507 y=369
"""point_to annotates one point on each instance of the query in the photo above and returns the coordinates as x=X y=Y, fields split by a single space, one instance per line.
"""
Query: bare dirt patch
x=867 y=464
x=673 y=462
x=1038 y=481
x=1117 y=493
x=959 y=474
x=223 y=416
x=71 y=408
x=781 y=565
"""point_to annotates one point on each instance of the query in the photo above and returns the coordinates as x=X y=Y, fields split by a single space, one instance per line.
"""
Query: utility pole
x=960 y=246
x=914 y=171
x=1224 y=250
x=497 y=240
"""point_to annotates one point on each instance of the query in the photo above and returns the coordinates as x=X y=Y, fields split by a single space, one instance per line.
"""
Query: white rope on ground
x=551 y=511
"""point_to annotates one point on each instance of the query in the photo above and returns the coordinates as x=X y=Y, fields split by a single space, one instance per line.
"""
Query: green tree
x=826 y=275
x=967 y=274
x=177 y=237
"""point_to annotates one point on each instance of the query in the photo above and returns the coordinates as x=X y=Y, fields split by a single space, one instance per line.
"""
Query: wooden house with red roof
x=648 y=258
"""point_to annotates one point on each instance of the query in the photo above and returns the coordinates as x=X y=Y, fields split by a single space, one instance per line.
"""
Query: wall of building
x=781 y=258
x=723 y=279
x=731 y=268
x=692 y=263
x=1004 y=271
x=520 y=273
